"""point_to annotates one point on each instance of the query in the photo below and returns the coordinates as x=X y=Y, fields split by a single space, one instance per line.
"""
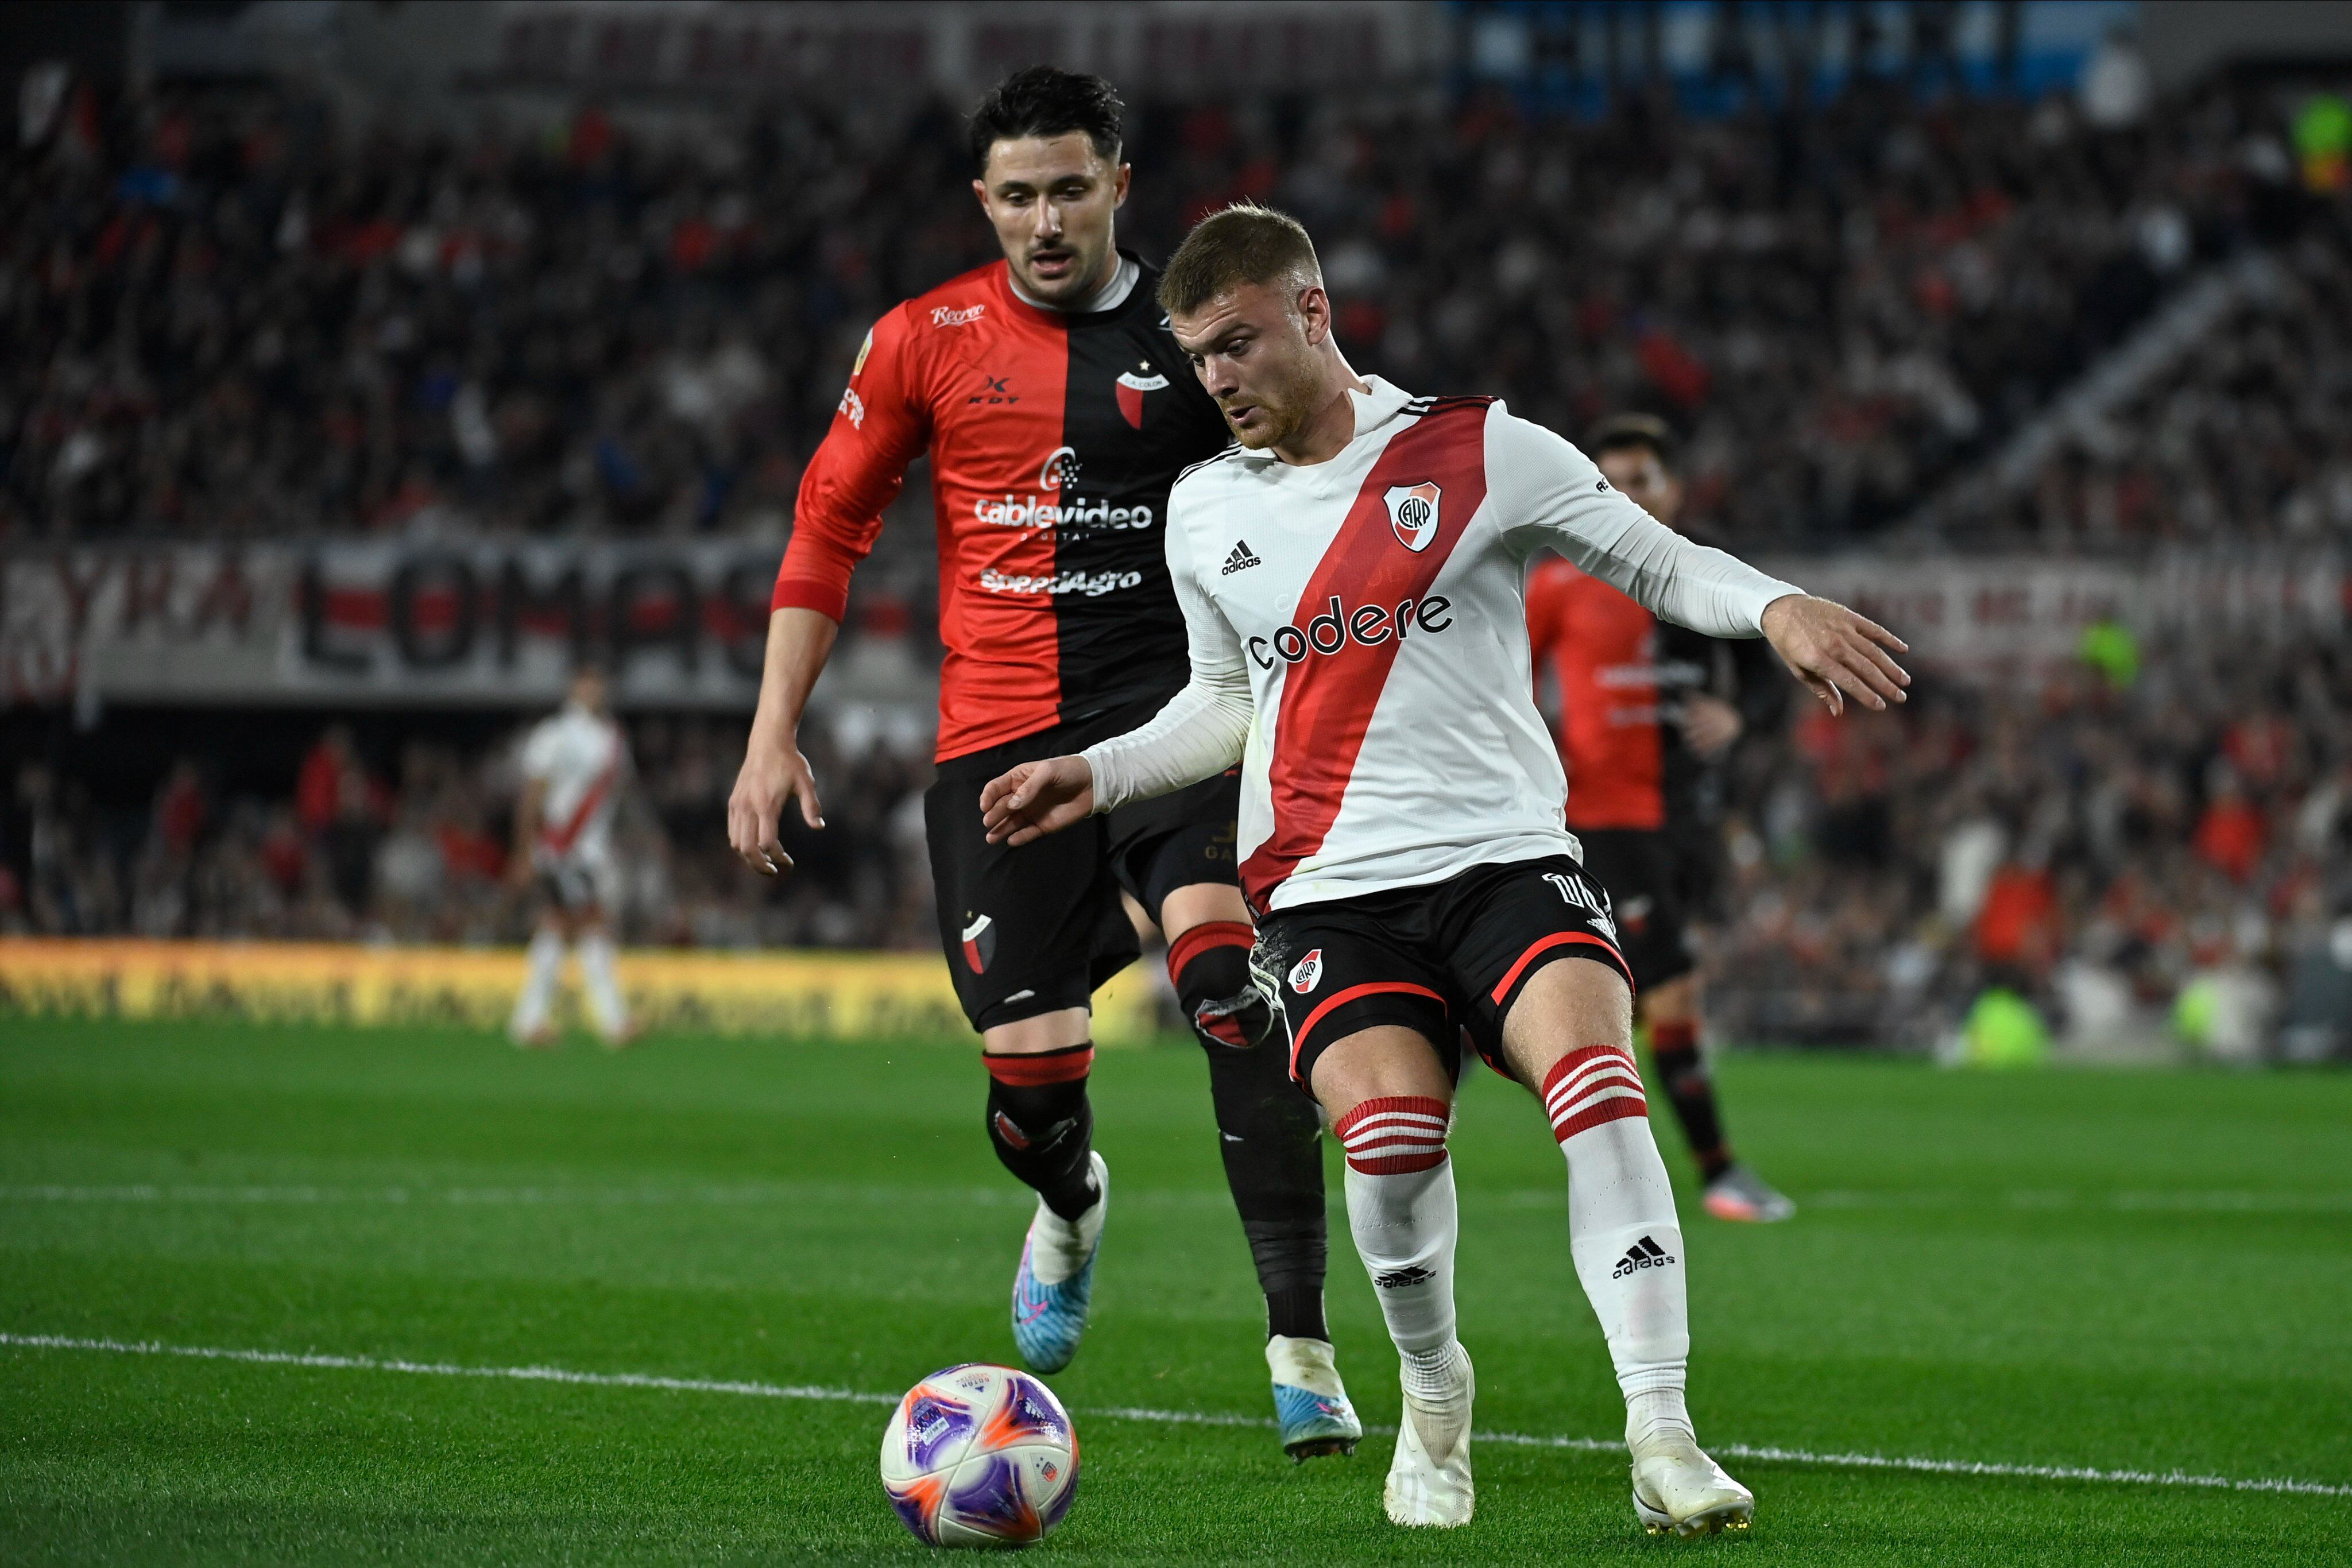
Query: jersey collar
x=1381 y=403
x=1113 y=294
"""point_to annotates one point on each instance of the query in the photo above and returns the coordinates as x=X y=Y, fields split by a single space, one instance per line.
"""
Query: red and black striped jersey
x=1054 y=439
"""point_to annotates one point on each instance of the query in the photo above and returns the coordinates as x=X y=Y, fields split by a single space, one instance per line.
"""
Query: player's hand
x=1836 y=653
x=772 y=775
x=1710 y=725
x=1035 y=799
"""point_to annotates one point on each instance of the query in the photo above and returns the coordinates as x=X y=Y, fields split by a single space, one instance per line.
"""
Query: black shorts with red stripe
x=1661 y=882
x=1036 y=929
x=1446 y=960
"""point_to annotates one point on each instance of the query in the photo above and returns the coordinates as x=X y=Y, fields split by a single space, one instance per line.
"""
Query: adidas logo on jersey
x=1240 y=560
x=1643 y=1254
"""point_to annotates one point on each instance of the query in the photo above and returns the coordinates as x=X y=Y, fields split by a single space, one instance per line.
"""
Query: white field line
x=780 y=1193
x=1769 y=1454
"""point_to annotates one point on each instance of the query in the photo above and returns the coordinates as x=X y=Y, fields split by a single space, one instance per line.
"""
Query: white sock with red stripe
x=602 y=984
x=1622 y=1231
x=539 y=985
x=1401 y=1211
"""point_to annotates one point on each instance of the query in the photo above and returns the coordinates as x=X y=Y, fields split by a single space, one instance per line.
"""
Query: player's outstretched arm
x=1836 y=653
x=1029 y=801
x=774 y=771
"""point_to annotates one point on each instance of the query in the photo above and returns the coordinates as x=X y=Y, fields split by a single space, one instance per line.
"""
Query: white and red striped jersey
x=580 y=759
x=1359 y=638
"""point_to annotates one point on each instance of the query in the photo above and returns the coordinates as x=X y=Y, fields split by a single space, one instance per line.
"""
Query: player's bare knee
x=1386 y=1062
x=1056 y=1031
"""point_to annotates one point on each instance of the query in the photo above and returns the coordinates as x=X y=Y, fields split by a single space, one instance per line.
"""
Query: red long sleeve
x=855 y=472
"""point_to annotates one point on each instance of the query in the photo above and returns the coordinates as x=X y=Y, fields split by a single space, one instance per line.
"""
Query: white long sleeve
x=1203 y=728
x=1557 y=498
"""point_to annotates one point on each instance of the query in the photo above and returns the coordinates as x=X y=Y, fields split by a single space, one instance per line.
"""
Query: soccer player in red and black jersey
x=1649 y=714
x=1056 y=411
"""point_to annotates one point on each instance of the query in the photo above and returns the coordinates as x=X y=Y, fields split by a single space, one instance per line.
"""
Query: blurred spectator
x=246 y=315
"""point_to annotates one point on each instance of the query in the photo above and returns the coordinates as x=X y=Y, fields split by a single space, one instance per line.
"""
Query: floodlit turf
x=2125 y=1271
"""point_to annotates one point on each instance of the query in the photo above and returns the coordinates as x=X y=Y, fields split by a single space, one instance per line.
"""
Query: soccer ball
x=980 y=1456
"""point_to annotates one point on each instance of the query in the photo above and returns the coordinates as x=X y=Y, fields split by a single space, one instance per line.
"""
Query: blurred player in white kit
x=574 y=767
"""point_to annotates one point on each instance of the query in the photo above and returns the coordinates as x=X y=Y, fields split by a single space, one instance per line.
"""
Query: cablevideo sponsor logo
x=947 y=315
x=1073 y=512
x=1368 y=625
x=1092 y=584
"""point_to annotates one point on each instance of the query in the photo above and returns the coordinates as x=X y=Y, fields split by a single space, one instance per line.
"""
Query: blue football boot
x=1049 y=1318
x=1309 y=1401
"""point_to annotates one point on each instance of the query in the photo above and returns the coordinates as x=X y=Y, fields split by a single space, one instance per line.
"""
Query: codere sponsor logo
x=1369 y=624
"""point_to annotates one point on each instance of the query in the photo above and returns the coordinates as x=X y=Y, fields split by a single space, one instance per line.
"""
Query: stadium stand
x=233 y=316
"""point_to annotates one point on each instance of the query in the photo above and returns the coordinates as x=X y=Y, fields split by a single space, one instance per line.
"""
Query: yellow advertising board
x=806 y=995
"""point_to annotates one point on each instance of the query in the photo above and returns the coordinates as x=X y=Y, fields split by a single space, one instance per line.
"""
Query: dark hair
x=1243 y=244
x=1621 y=431
x=1046 y=100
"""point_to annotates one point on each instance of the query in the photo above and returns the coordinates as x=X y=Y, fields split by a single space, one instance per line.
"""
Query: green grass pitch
x=2124 y=1271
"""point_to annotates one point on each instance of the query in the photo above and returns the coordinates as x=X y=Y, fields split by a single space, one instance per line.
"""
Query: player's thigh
x=1175 y=854
x=1335 y=973
x=1565 y=1008
x=1027 y=931
x=1507 y=928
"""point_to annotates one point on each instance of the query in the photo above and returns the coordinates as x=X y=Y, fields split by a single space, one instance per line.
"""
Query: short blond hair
x=1242 y=244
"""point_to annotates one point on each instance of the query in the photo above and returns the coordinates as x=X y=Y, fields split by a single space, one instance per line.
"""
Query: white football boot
x=1676 y=1487
x=1429 y=1480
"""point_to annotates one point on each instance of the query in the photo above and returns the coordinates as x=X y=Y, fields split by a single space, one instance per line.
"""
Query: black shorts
x=1036 y=929
x=1444 y=959
x=1660 y=883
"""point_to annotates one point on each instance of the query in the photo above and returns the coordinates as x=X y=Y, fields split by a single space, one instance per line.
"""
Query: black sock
x=1268 y=1130
x=1673 y=1047
x=1041 y=1125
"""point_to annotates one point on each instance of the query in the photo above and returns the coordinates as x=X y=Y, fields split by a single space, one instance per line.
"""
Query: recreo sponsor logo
x=1413 y=513
x=1308 y=973
x=1368 y=625
x=948 y=315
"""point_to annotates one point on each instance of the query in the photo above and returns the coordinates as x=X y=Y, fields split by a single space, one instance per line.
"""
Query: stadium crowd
x=231 y=313
x=2094 y=846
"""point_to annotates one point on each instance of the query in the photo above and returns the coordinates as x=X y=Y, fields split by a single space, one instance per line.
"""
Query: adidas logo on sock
x=1398 y=1279
x=1643 y=1254
x=1240 y=560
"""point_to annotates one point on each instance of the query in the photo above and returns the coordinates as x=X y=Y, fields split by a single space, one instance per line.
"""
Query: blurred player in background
x=575 y=765
x=1649 y=714
x=1401 y=832
x=1057 y=411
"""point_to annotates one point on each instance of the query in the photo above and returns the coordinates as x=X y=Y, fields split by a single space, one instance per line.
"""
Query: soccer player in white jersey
x=1350 y=575
x=575 y=764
